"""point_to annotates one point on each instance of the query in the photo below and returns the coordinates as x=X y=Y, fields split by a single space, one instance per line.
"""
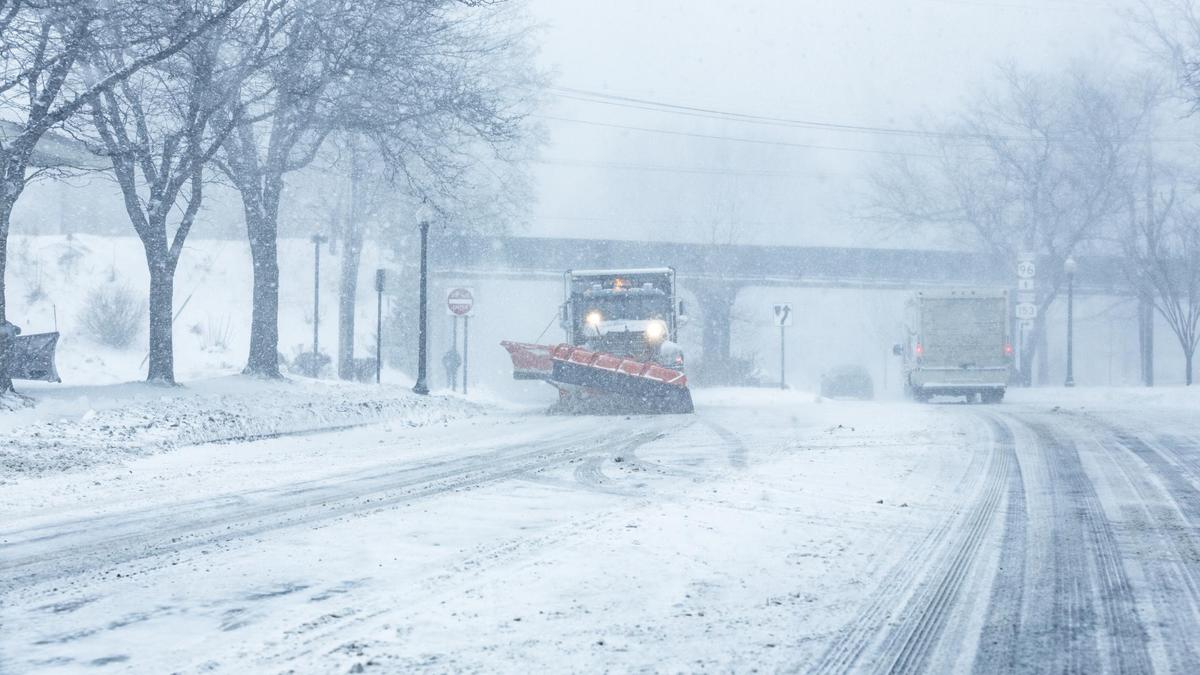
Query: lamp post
x=1070 y=266
x=421 y=387
x=317 y=240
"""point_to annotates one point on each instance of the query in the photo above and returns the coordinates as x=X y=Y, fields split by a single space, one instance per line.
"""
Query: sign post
x=1026 y=309
x=460 y=301
x=317 y=240
x=783 y=319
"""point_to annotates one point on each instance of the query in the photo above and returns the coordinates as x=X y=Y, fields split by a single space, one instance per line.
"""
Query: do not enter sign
x=460 y=301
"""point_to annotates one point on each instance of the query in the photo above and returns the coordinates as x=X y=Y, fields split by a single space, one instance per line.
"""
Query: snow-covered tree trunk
x=7 y=201
x=262 y=229
x=353 y=226
x=347 y=302
x=162 y=302
x=1145 y=312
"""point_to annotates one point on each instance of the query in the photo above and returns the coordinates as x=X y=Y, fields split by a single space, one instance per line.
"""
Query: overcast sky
x=855 y=62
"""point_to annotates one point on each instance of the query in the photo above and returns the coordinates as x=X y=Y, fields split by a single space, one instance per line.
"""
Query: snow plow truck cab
x=620 y=354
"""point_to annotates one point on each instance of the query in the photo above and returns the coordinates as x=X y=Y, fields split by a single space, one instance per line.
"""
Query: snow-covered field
x=51 y=277
x=769 y=531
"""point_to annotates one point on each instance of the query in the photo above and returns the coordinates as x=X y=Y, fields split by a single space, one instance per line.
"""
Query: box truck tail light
x=1008 y=350
x=919 y=350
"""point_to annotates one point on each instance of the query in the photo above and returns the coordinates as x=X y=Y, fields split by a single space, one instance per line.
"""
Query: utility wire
x=665 y=168
x=637 y=103
x=756 y=141
x=1057 y=7
x=712 y=113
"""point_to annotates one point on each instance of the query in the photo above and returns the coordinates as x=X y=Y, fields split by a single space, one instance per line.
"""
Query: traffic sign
x=1026 y=324
x=783 y=315
x=460 y=301
x=1026 y=269
x=1026 y=311
x=1025 y=284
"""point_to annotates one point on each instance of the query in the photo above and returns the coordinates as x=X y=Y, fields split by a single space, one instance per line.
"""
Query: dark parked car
x=848 y=382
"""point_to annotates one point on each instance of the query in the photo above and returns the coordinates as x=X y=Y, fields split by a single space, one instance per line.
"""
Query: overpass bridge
x=715 y=274
x=459 y=255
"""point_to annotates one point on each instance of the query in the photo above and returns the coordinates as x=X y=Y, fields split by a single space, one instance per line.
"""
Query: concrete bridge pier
x=716 y=300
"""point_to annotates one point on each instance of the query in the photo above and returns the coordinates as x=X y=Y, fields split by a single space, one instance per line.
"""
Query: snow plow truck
x=620 y=355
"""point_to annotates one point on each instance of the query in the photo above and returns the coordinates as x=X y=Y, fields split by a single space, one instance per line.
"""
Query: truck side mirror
x=681 y=318
x=562 y=315
x=898 y=350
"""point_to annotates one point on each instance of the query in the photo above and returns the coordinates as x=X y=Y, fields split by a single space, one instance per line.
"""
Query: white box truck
x=957 y=344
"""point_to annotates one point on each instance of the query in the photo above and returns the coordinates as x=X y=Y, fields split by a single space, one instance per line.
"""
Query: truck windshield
x=621 y=306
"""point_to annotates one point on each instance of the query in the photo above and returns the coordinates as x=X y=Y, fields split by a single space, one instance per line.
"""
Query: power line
x=737 y=139
x=1061 y=7
x=620 y=220
x=715 y=171
x=713 y=113
x=637 y=103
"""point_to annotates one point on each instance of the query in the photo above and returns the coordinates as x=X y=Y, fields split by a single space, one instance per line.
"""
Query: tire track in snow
x=997 y=650
x=1166 y=520
x=854 y=641
x=1093 y=623
x=910 y=644
x=317 y=633
x=81 y=545
x=734 y=446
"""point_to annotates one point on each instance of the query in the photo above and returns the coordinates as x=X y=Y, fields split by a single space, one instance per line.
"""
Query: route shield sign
x=1026 y=267
x=1026 y=311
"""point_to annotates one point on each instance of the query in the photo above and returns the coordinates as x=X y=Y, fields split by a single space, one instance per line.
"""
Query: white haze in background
x=881 y=63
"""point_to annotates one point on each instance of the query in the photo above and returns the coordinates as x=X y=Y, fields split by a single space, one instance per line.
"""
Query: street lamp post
x=1069 y=267
x=317 y=240
x=421 y=387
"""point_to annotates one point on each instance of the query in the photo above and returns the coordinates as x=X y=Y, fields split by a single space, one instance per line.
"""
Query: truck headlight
x=656 y=331
x=594 y=318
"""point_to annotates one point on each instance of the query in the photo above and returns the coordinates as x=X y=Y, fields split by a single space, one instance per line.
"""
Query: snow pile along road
x=96 y=425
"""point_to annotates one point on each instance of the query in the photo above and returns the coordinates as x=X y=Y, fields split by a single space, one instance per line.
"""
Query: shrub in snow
x=216 y=338
x=113 y=315
x=311 y=365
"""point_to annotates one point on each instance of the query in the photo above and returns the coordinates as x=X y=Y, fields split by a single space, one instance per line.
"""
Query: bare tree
x=426 y=82
x=1162 y=246
x=160 y=128
x=369 y=191
x=1036 y=165
x=42 y=48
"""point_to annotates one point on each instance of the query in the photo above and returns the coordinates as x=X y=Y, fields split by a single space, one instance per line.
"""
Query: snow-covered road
x=767 y=531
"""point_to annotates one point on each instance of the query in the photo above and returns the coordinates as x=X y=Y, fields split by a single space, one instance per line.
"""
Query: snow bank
x=1171 y=396
x=84 y=426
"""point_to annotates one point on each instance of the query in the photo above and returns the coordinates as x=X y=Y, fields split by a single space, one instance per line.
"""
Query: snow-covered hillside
x=50 y=277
